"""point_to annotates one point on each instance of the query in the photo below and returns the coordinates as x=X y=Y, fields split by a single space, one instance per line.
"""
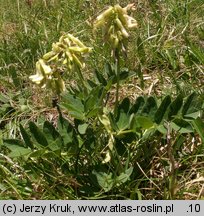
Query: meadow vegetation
x=128 y=125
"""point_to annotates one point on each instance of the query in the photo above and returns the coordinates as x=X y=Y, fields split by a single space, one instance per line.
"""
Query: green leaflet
x=38 y=134
x=162 y=109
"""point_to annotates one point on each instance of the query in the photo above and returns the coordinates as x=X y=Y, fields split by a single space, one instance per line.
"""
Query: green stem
x=172 y=184
x=81 y=78
x=117 y=68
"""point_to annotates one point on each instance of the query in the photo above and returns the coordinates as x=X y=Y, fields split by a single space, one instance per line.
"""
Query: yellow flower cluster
x=68 y=51
x=115 y=23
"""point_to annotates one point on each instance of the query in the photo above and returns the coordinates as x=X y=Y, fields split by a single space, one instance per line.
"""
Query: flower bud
x=80 y=50
x=77 y=61
x=75 y=40
x=46 y=69
x=48 y=55
x=60 y=86
x=121 y=28
x=104 y=15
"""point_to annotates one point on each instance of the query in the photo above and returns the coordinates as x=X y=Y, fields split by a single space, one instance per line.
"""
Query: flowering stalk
x=68 y=53
x=117 y=68
x=116 y=23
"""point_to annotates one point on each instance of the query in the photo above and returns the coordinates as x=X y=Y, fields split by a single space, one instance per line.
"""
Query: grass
x=166 y=55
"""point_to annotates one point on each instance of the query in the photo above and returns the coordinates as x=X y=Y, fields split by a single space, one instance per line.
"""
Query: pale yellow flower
x=116 y=23
x=68 y=51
